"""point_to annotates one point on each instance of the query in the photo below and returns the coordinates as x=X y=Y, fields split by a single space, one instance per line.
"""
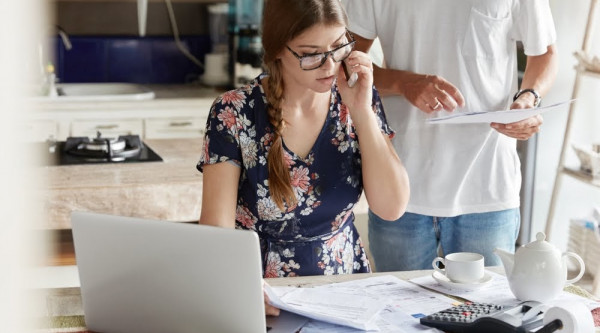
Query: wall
x=576 y=199
x=107 y=47
x=120 y=18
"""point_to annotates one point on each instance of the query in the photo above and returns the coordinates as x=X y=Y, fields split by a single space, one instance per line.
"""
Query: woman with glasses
x=289 y=154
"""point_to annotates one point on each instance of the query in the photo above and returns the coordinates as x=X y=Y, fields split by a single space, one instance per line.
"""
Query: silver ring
x=437 y=105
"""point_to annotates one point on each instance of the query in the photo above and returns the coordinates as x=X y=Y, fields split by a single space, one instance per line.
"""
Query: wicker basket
x=584 y=239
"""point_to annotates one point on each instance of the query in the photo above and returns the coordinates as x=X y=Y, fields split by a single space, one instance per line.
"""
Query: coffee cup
x=461 y=267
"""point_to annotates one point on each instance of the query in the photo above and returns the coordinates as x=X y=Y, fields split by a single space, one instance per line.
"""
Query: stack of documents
x=388 y=304
x=383 y=304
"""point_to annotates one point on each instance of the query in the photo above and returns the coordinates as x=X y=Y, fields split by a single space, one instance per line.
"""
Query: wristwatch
x=538 y=98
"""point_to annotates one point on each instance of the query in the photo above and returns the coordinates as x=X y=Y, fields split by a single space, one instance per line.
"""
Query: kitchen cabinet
x=176 y=115
x=40 y=130
x=174 y=127
x=108 y=127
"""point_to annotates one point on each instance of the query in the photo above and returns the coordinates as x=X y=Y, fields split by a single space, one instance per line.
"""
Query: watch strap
x=538 y=98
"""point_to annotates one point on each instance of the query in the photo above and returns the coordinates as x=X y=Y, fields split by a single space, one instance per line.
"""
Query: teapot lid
x=540 y=243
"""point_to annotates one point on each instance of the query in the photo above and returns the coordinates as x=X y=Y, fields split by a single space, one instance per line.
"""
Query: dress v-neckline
x=319 y=137
x=317 y=140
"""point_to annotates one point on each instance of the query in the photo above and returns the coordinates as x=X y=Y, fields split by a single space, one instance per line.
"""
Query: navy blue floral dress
x=317 y=236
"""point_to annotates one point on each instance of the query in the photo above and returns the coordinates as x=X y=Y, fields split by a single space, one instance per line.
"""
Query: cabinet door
x=40 y=130
x=108 y=128
x=180 y=127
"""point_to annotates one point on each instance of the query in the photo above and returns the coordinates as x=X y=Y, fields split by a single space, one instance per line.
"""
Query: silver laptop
x=140 y=275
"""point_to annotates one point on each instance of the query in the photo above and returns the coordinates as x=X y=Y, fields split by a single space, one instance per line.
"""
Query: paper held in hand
x=501 y=116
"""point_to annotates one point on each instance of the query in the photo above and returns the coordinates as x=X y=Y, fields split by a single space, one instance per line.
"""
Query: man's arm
x=539 y=75
x=423 y=91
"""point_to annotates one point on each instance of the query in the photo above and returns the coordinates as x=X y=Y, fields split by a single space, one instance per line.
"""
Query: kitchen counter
x=169 y=190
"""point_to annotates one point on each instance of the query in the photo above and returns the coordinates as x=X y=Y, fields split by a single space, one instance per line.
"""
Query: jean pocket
x=486 y=37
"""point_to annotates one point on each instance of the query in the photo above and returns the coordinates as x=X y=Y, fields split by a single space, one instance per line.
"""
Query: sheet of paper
x=353 y=308
x=497 y=291
x=402 y=304
x=498 y=116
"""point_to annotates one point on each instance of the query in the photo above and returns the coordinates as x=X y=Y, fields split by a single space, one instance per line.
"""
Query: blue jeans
x=412 y=241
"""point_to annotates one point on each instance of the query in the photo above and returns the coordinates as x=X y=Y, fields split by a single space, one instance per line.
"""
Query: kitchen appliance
x=83 y=150
x=215 y=63
x=245 y=43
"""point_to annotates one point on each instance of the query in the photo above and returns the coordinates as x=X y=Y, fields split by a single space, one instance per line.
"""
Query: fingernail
x=495 y=126
x=508 y=126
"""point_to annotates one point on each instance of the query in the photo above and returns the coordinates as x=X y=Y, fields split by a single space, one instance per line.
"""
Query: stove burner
x=104 y=149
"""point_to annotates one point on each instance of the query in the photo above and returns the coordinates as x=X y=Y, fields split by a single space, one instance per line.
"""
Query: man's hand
x=526 y=128
x=432 y=93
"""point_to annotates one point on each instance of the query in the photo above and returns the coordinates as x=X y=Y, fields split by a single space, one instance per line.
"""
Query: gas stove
x=84 y=150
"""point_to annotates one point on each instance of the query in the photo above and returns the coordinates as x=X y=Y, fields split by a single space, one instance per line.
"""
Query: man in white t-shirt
x=458 y=56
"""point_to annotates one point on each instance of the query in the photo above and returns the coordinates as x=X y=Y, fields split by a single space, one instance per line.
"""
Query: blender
x=215 y=62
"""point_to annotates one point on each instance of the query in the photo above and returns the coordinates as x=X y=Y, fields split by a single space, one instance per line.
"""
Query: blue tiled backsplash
x=129 y=59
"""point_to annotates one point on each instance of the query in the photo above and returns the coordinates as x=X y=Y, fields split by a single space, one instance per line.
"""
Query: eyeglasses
x=315 y=60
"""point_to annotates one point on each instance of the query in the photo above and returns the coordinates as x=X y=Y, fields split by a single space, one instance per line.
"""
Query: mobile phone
x=351 y=78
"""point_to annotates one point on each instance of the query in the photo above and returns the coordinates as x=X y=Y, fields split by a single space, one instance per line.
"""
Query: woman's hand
x=270 y=310
x=360 y=96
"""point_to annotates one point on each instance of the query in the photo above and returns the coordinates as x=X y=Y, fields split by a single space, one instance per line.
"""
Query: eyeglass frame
x=325 y=54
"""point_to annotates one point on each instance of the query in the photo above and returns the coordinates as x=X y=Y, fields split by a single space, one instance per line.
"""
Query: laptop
x=141 y=275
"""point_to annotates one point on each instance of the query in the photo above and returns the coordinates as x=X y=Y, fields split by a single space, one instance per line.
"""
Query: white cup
x=461 y=267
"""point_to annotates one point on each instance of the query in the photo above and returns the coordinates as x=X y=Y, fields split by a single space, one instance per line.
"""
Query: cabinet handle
x=107 y=126
x=180 y=124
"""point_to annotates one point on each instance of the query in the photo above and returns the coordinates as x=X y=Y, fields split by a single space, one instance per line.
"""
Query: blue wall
x=129 y=59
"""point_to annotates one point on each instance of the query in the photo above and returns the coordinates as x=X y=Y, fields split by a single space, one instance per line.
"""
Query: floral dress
x=317 y=236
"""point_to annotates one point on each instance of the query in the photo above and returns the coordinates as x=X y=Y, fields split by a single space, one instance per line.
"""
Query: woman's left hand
x=360 y=96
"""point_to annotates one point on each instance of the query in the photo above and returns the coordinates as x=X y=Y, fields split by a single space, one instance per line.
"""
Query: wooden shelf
x=582 y=176
x=588 y=72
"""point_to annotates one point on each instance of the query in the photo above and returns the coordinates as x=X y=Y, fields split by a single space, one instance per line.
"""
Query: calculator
x=490 y=318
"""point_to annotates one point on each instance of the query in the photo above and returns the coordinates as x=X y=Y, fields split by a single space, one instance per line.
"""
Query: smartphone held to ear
x=352 y=78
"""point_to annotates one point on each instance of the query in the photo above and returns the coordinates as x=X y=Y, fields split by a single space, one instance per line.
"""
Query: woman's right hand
x=270 y=310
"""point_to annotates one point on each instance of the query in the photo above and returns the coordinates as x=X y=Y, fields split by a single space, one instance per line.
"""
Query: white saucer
x=447 y=283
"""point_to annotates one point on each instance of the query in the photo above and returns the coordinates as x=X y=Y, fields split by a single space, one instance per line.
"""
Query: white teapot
x=538 y=271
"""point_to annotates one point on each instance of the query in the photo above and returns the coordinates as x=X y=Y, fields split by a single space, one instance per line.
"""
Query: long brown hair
x=283 y=20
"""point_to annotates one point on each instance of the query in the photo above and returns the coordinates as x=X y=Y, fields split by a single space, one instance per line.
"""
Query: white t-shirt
x=467 y=168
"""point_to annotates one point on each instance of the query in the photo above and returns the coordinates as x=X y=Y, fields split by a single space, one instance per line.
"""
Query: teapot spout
x=508 y=260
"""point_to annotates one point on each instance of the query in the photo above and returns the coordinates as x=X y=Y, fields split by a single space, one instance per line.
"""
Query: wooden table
x=62 y=307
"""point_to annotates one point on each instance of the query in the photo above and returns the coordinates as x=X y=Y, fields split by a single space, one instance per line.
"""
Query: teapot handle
x=581 y=266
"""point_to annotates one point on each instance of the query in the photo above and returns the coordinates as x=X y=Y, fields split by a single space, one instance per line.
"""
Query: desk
x=63 y=309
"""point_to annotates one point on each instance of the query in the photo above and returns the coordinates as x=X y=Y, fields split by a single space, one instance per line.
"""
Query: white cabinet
x=167 y=118
x=175 y=127
x=40 y=130
x=108 y=127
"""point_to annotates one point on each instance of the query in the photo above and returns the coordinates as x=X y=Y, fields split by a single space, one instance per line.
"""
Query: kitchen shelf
x=581 y=70
x=588 y=72
x=582 y=176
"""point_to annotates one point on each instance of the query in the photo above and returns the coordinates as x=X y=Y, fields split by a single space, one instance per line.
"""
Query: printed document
x=500 y=116
x=393 y=305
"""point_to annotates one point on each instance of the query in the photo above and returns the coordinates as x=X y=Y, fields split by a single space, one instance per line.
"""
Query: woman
x=289 y=154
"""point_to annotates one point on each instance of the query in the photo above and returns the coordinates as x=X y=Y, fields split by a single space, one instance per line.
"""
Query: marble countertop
x=169 y=190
